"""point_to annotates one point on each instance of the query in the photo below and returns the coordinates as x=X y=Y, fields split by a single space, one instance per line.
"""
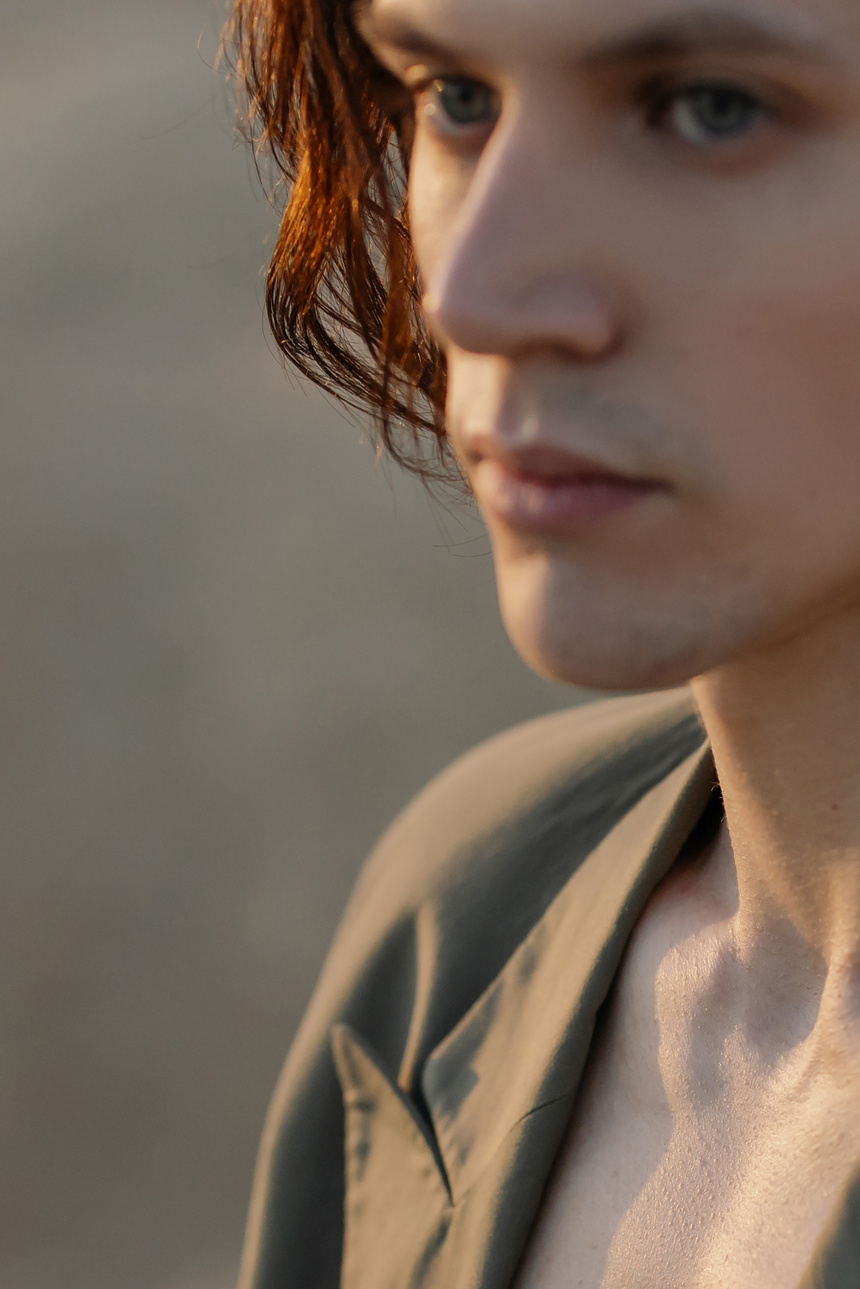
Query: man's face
x=638 y=228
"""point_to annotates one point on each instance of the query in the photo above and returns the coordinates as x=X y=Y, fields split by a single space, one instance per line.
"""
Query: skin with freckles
x=638 y=228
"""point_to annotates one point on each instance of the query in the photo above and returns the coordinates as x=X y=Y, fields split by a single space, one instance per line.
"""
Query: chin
x=579 y=629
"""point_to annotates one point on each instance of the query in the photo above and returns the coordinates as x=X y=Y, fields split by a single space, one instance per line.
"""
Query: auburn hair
x=334 y=130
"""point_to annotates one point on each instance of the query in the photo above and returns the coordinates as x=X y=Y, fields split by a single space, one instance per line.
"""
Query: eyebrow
x=396 y=32
x=673 y=37
x=709 y=31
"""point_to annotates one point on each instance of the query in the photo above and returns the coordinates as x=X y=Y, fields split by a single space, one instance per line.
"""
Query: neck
x=784 y=726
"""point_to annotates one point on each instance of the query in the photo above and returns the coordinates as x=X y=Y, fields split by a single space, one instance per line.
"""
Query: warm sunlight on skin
x=616 y=269
x=638 y=228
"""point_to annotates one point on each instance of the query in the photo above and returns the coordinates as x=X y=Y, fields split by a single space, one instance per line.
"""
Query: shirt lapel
x=449 y=1205
x=836 y=1263
x=524 y=1042
x=398 y=1207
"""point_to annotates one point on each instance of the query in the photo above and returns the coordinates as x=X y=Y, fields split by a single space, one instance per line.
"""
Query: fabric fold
x=525 y=1041
x=398 y=1207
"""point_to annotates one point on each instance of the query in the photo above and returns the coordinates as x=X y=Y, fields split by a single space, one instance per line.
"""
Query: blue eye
x=712 y=112
x=465 y=102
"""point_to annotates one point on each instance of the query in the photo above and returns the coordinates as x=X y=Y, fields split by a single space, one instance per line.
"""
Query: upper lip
x=541 y=460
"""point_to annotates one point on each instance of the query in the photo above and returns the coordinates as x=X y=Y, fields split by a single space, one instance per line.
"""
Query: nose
x=521 y=270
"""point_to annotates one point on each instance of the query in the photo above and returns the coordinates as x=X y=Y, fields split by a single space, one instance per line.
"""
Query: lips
x=542 y=486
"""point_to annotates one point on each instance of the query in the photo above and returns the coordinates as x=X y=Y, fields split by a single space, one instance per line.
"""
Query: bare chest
x=684 y=1168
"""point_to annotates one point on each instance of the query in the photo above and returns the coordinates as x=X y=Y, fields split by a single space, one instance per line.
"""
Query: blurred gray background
x=232 y=649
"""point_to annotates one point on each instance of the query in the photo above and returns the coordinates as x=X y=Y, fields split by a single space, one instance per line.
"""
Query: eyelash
x=655 y=100
x=658 y=101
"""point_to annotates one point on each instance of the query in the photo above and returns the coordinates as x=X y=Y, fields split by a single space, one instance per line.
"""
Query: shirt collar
x=525 y=1040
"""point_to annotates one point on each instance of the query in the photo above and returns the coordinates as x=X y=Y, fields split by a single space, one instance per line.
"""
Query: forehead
x=561 y=29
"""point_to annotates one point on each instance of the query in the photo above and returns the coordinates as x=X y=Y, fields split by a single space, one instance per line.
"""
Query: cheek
x=778 y=370
x=438 y=184
x=750 y=316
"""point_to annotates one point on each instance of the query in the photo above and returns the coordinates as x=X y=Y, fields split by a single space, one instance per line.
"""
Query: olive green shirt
x=431 y=1083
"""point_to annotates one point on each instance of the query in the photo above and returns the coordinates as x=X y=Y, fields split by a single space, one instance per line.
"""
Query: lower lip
x=530 y=501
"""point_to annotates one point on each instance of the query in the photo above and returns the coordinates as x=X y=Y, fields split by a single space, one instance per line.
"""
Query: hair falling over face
x=343 y=293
